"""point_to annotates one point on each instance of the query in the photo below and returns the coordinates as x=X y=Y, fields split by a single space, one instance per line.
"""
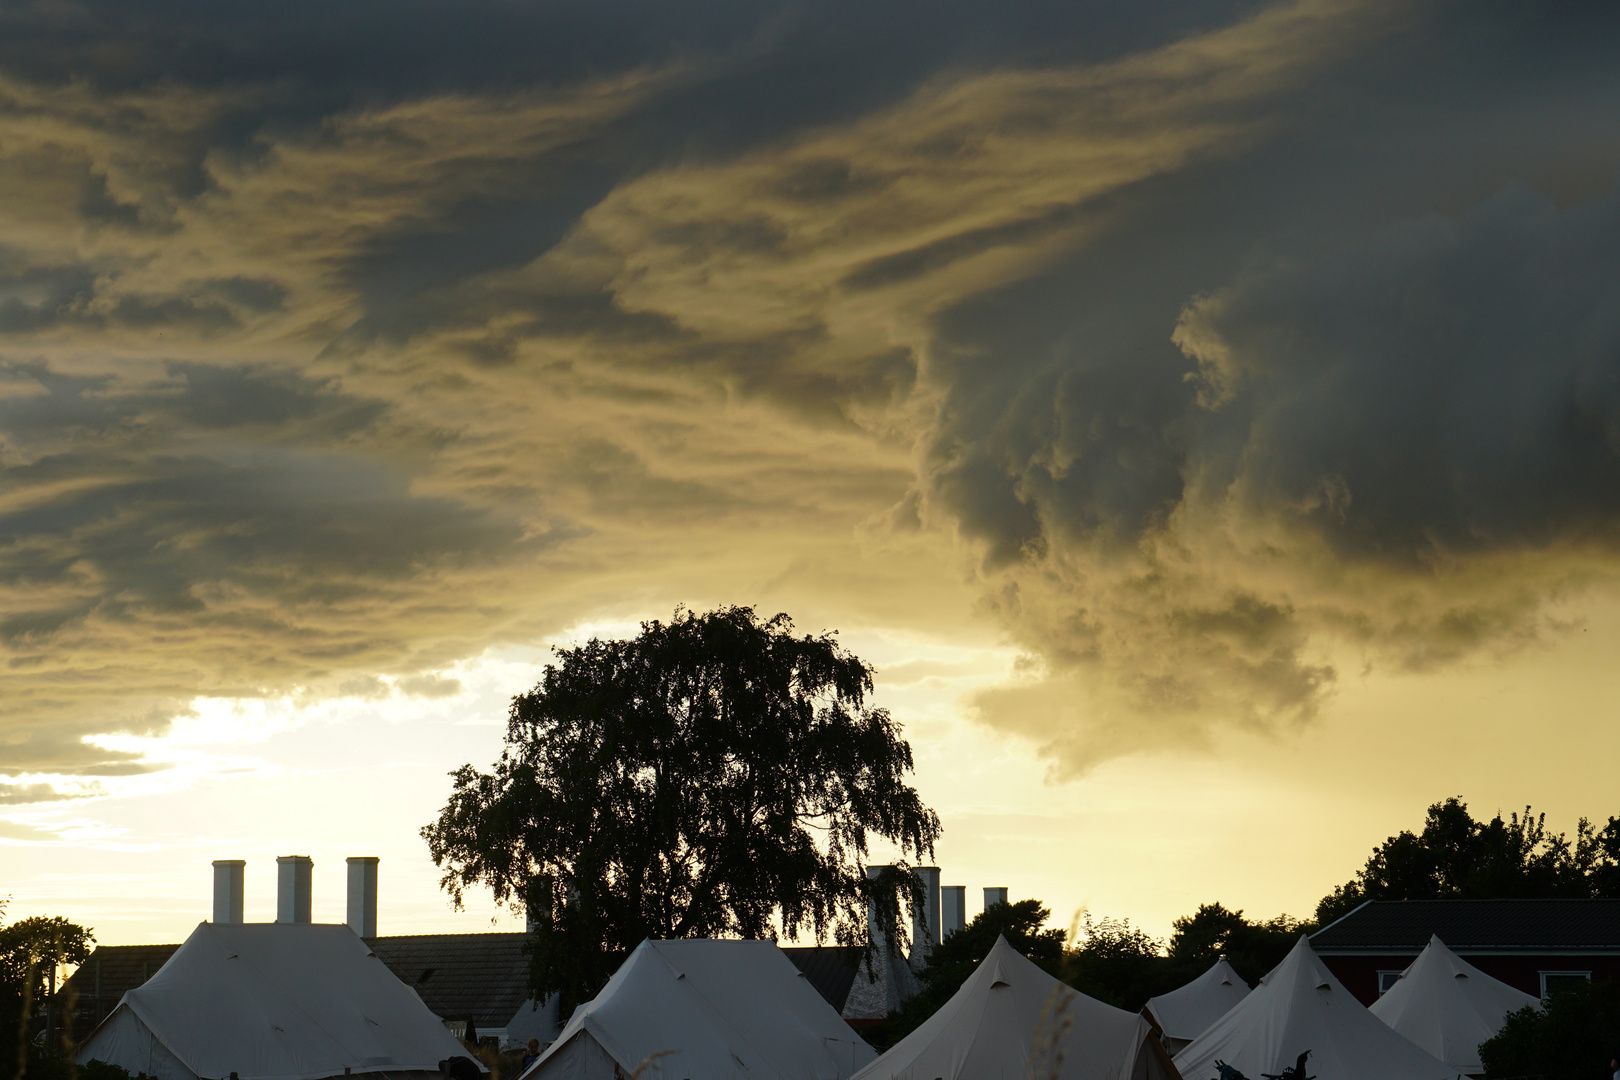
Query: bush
x=1573 y=1038
x=101 y=1070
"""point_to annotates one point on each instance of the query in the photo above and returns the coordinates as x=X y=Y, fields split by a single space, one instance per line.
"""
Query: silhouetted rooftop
x=1478 y=925
x=100 y=982
x=829 y=968
x=484 y=976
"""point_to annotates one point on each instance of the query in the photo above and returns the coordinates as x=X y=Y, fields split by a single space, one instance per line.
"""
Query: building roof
x=482 y=976
x=1527 y=926
x=829 y=968
x=102 y=980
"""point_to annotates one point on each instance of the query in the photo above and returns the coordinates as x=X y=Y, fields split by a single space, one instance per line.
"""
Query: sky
x=1205 y=416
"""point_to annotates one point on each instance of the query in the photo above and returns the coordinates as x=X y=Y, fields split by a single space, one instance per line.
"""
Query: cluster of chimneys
x=293 y=880
x=944 y=909
x=943 y=913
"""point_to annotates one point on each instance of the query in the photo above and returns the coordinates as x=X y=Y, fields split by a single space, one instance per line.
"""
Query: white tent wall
x=276 y=1001
x=705 y=1010
x=582 y=1058
x=533 y=1020
x=1012 y=1021
x=1447 y=1006
x=1300 y=1006
x=122 y=1039
x=1187 y=1012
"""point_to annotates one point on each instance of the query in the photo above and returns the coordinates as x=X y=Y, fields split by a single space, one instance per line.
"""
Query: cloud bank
x=1223 y=346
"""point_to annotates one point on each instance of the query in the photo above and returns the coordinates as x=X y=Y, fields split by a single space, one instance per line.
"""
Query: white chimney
x=995 y=896
x=228 y=890
x=293 y=875
x=363 y=895
x=925 y=921
x=953 y=909
x=924 y=917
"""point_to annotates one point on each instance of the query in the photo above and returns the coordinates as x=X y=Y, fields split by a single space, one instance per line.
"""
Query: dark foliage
x=712 y=777
x=1116 y=962
x=1575 y=1038
x=28 y=949
x=1457 y=856
x=101 y=1070
x=1109 y=959
x=953 y=960
x=1211 y=932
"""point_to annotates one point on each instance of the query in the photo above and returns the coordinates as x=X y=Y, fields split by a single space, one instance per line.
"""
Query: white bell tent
x=1448 y=1006
x=272 y=1001
x=1013 y=1021
x=1185 y=1013
x=1299 y=1006
x=704 y=1009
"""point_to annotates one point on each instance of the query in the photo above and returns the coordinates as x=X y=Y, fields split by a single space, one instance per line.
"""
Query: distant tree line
x=1105 y=958
x=30 y=950
x=1453 y=855
x=1457 y=856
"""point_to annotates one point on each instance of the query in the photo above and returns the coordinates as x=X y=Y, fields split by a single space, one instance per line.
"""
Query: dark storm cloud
x=1207 y=328
x=1451 y=387
x=255 y=552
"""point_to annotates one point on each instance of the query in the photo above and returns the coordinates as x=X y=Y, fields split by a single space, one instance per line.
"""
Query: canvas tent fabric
x=1013 y=1021
x=703 y=1009
x=1448 y=1006
x=1300 y=1006
x=1183 y=1014
x=272 y=1001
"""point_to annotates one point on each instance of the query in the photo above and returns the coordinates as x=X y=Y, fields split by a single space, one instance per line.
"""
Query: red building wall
x=1359 y=974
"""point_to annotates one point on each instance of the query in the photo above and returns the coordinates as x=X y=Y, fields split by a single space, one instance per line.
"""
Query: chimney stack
x=925 y=917
x=293 y=874
x=995 y=896
x=953 y=909
x=925 y=921
x=362 y=895
x=228 y=890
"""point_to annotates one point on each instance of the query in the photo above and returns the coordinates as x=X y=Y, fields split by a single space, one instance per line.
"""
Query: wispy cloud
x=320 y=375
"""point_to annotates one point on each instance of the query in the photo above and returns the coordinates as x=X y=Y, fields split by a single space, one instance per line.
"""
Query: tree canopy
x=1211 y=932
x=28 y=949
x=1108 y=958
x=1457 y=856
x=713 y=776
x=1113 y=961
x=1574 y=1037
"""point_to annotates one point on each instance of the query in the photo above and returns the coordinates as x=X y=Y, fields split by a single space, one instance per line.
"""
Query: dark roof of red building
x=1475 y=925
x=829 y=968
x=482 y=976
x=113 y=969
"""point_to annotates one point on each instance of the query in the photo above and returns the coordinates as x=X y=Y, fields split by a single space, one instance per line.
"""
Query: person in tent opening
x=530 y=1055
